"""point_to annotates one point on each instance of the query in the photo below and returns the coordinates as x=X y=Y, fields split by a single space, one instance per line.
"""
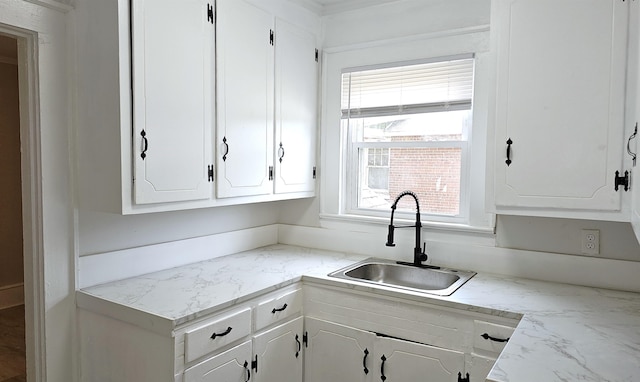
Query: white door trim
x=44 y=41
x=32 y=230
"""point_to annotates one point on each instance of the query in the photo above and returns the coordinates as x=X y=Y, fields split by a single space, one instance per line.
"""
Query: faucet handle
x=390 y=236
x=423 y=255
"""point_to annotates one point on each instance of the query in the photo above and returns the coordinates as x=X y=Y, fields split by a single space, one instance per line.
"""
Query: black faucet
x=419 y=254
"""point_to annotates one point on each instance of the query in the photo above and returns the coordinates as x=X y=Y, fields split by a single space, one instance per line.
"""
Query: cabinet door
x=296 y=105
x=337 y=353
x=279 y=353
x=559 y=102
x=245 y=99
x=173 y=82
x=409 y=361
x=233 y=365
x=634 y=83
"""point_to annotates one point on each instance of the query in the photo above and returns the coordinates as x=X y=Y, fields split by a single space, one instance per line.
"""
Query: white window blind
x=435 y=86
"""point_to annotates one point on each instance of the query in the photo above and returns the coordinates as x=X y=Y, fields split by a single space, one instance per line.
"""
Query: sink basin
x=440 y=281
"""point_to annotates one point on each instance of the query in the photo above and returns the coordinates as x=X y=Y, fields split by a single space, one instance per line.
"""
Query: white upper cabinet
x=245 y=99
x=634 y=116
x=173 y=77
x=296 y=89
x=267 y=103
x=559 y=105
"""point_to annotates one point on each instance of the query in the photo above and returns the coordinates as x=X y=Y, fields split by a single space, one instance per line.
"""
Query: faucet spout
x=419 y=254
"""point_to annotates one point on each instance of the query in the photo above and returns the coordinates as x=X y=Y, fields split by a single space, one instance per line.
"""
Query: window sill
x=433 y=231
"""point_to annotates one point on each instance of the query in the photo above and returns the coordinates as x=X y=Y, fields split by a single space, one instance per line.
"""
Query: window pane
x=432 y=173
x=427 y=127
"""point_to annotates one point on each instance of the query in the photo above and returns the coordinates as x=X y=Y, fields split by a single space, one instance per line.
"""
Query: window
x=407 y=128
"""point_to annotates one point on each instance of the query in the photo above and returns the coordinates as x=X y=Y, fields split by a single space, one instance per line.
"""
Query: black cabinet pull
x=299 y=346
x=280 y=152
x=383 y=377
x=226 y=151
x=631 y=153
x=279 y=309
x=246 y=367
x=508 y=161
x=214 y=335
x=486 y=336
x=143 y=134
x=364 y=361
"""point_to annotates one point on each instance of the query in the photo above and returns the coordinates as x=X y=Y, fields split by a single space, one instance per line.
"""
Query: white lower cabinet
x=232 y=365
x=402 y=360
x=274 y=355
x=341 y=353
x=278 y=353
x=337 y=353
x=307 y=333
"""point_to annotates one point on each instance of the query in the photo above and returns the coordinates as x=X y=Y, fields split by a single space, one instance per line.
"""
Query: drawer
x=490 y=337
x=278 y=308
x=215 y=333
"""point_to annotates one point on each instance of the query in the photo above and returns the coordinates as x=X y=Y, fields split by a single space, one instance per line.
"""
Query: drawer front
x=278 y=308
x=490 y=337
x=216 y=333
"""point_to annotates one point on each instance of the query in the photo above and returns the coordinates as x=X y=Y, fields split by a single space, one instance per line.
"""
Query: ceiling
x=323 y=7
x=326 y=7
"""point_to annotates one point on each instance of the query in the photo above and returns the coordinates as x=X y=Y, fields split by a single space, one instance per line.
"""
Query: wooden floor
x=12 y=346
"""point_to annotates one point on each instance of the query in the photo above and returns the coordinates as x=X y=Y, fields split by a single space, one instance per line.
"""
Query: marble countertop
x=567 y=333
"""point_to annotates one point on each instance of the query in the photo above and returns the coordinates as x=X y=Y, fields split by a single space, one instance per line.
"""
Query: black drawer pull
x=382 y=376
x=299 y=346
x=214 y=335
x=279 y=309
x=486 y=336
x=364 y=361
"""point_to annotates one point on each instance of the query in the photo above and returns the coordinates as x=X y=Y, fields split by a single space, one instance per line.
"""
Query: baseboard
x=117 y=265
x=11 y=295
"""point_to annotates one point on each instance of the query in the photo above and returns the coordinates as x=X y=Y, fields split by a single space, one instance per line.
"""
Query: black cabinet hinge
x=305 y=339
x=254 y=364
x=271 y=37
x=270 y=172
x=210 y=14
x=622 y=180
x=210 y=173
x=317 y=54
x=461 y=379
x=315 y=173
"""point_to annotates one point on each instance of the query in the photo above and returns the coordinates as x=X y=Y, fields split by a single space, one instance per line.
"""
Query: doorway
x=12 y=316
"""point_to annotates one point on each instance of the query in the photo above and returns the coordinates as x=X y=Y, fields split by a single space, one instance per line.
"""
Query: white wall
x=411 y=20
x=101 y=227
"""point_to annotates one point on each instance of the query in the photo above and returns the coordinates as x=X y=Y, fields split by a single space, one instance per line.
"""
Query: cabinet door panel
x=337 y=353
x=410 y=361
x=228 y=366
x=296 y=105
x=172 y=99
x=244 y=98
x=276 y=351
x=560 y=92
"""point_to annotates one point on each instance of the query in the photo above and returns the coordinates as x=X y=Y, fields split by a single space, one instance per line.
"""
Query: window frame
x=334 y=150
x=353 y=158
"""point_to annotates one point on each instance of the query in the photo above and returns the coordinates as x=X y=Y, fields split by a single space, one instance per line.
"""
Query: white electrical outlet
x=590 y=242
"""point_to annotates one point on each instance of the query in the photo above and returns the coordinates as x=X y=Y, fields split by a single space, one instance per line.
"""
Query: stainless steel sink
x=440 y=281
